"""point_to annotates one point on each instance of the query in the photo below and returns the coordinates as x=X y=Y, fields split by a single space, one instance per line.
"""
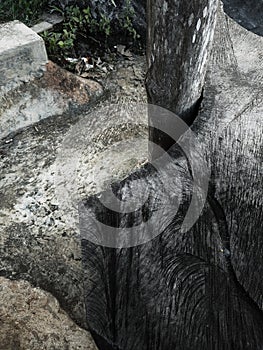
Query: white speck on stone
x=190 y=20
x=165 y=7
x=194 y=38
x=203 y=62
x=198 y=25
x=205 y=12
x=178 y=48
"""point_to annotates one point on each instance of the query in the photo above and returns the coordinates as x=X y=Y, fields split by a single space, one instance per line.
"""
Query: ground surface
x=36 y=242
x=32 y=319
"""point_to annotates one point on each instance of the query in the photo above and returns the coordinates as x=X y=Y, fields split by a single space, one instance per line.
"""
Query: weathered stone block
x=42 y=26
x=22 y=53
x=56 y=92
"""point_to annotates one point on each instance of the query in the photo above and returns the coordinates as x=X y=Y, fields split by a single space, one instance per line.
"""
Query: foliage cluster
x=81 y=25
x=27 y=11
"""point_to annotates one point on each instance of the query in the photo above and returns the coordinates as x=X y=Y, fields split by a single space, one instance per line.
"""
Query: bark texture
x=201 y=289
x=179 y=40
x=180 y=36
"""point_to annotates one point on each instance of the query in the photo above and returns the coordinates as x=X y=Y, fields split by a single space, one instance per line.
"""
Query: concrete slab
x=36 y=242
x=41 y=27
x=22 y=54
x=56 y=92
x=52 y=18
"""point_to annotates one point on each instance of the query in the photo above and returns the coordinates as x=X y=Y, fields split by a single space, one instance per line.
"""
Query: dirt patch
x=33 y=319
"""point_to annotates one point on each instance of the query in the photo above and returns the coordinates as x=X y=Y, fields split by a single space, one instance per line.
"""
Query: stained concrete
x=22 y=53
x=55 y=92
x=37 y=243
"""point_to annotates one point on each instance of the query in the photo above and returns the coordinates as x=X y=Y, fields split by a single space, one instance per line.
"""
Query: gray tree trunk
x=200 y=289
x=180 y=36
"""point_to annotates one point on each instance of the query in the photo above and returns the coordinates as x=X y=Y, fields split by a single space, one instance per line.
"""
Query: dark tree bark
x=180 y=36
x=201 y=289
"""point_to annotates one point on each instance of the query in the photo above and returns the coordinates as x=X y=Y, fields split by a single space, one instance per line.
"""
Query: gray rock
x=42 y=26
x=37 y=244
x=55 y=92
x=33 y=319
x=22 y=53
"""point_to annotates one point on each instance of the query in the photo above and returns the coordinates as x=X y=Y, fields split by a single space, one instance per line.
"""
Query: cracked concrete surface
x=36 y=242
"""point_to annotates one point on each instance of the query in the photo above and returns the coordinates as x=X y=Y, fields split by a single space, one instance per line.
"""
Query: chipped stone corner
x=33 y=88
x=23 y=54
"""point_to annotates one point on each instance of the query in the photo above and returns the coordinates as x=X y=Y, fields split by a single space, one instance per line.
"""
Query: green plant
x=26 y=11
x=98 y=32
x=51 y=39
x=127 y=24
x=126 y=20
x=76 y=21
x=59 y=44
x=104 y=25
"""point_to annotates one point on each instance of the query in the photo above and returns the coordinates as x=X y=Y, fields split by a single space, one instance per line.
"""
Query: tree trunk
x=200 y=289
x=180 y=36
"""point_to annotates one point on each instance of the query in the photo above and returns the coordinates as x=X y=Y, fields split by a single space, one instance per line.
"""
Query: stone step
x=22 y=54
x=42 y=27
x=49 y=20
